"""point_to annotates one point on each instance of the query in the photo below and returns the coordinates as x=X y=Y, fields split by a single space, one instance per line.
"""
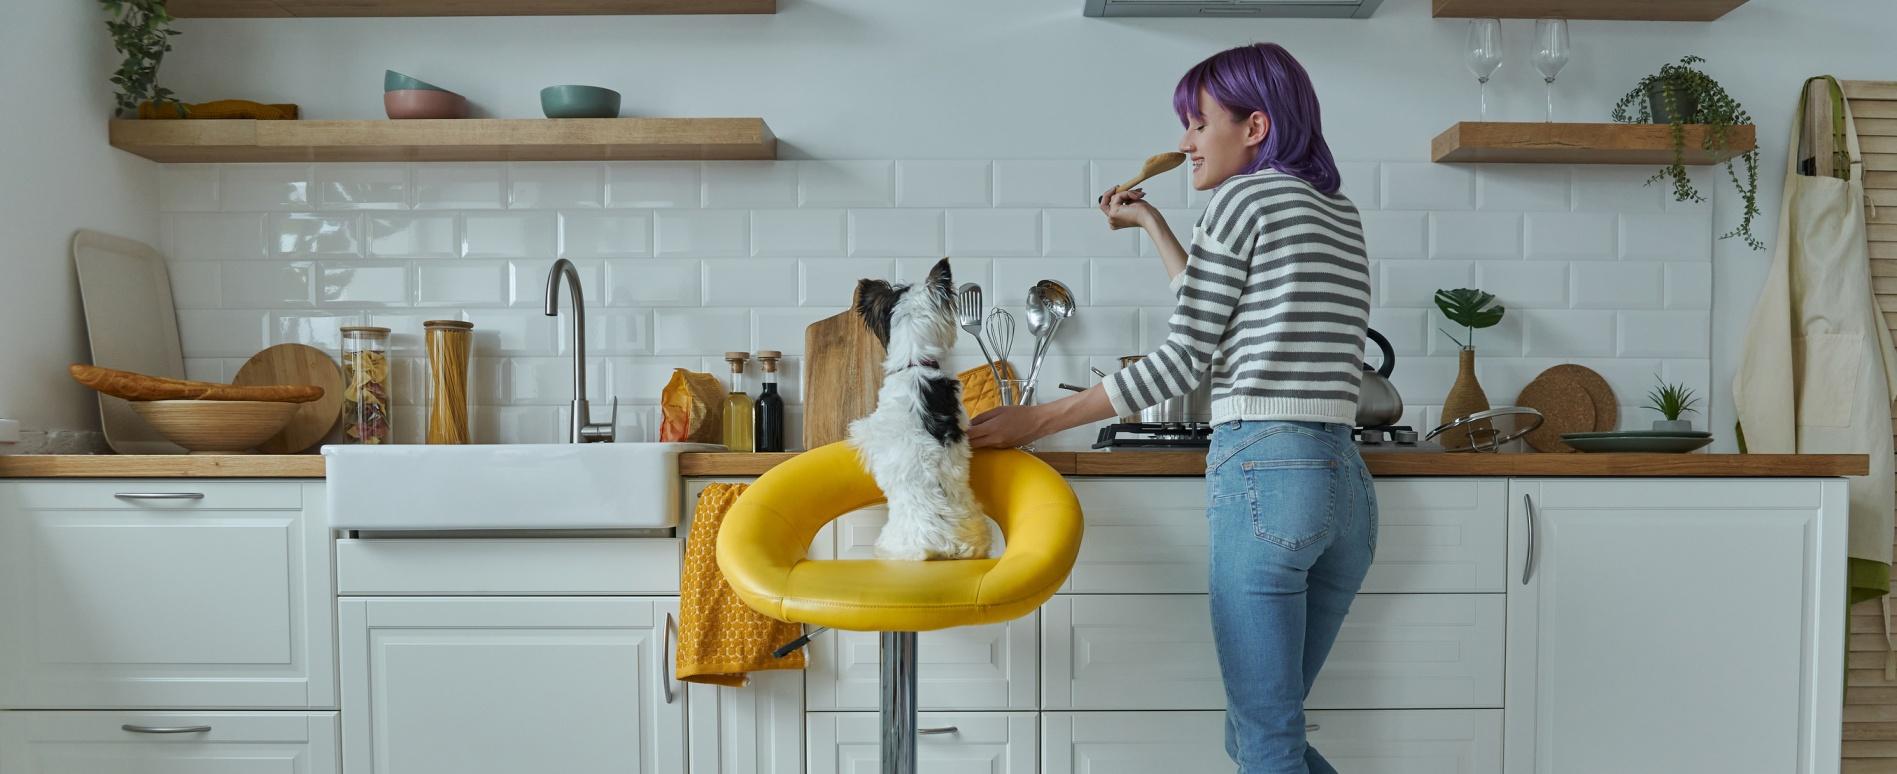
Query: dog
x=915 y=443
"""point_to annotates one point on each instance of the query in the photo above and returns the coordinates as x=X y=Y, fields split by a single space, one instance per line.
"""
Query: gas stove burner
x=1150 y=435
x=1387 y=435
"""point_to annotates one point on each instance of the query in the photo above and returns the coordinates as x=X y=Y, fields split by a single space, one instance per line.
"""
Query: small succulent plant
x=1471 y=309
x=1672 y=400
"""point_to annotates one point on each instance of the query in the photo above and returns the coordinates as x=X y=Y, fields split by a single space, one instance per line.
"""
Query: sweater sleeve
x=1218 y=263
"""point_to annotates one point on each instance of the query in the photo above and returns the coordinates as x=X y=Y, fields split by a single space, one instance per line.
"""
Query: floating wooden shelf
x=1623 y=10
x=267 y=9
x=468 y=139
x=1545 y=143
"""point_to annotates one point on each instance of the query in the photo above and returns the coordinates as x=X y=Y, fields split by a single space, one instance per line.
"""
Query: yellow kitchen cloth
x=719 y=637
x=979 y=391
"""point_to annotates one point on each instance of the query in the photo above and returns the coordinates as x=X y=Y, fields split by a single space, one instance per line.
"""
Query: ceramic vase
x=1465 y=398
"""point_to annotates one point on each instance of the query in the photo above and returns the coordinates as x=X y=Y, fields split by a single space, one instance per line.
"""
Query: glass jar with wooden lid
x=366 y=372
x=450 y=346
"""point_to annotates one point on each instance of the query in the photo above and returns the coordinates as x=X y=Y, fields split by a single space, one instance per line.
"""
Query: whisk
x=1000 y=331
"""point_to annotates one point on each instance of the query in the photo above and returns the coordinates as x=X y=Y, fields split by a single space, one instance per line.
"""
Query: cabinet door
x=1697 y=624
x=164 y=594
x=1359 y=742
x=230 y=743
x=757 y=729
x=506 y=685
x=948 y=743
x=1156 y=652
x=990 y=667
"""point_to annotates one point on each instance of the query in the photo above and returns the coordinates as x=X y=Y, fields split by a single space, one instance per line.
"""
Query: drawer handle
x=138 y=729
x=942 y=730
x=1310 y=727
x=1528 y=563
x=160 y=495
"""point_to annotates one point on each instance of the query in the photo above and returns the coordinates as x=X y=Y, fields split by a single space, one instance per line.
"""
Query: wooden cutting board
x=298 y=364
x=843 y=369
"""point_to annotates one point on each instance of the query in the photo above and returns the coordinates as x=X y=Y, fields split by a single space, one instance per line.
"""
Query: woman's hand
x=1005 y=427
x=1128 y=209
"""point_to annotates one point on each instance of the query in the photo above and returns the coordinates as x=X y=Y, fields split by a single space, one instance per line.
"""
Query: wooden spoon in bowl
x=1157 y=163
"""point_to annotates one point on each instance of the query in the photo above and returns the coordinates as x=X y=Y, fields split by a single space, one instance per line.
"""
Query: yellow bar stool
x=762 y=544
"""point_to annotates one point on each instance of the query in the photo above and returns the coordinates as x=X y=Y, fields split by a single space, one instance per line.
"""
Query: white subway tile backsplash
x=460 y=186
x=615 y=332
x=1664 y=334
x=653 y=184
x=1013 y=278
x=1523 y=187
x=1567 y=332
x=516 y=424
x=222 y=333
x=187 y=188
x=977 y=270
x=1501 y=340
x=1525 y=284
x=194 y=284
x=895 y=233
x=778 y=329
x=1407 y=330
x=702 y=331
x=1358 y=182
x=1085 y=233
x=751 y=184
x=513 y=331
x=212 y=236
x=204 y=369
x=994 y=232
x=643 y=379
x=829 y=283
x=1669 y=236
x=1129 y=282
x=1179 y=222
x=1485 y=235
x=461 y=283
x=254 y=187
x=703 y=233
x=1615 y=189
x=1099 y=330
x=527 y=282
x=1396 y=234
x=362 y=186
x=944 y=184
x=406 y=327
x=1167 y=189
x=1423 y=186
x=269 y=283
x=362 y=284
x=509 y=235
x=847 y=183
x=413 y=236
x=1689 y=285
x=1414 y=283
x=556 y=185
x=1616 y=284
x=747 y=283
x=548 y=381
x=605 y=234
x=310 y=234
x=1041 y=184
x=1571 y=235
x=322 y=330
x=798 y=232
x=653 y=282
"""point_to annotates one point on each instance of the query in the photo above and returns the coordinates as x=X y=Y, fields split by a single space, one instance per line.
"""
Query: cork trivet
x=1606 y=406
x=1565 y=408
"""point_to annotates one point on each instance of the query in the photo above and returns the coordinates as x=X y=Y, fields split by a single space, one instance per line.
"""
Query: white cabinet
x=230 y=743
x=1156 y=652
x=164 y=594
x=948 y=743
x=991 y=667
x=757 y=729
x=504 y=685
x=1358 y=742
x=1665 y=626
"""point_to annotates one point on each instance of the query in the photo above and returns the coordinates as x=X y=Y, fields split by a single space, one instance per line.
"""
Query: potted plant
x=1471 y=309
x=1672 y=400
x=1681 y=94
x=141 y=30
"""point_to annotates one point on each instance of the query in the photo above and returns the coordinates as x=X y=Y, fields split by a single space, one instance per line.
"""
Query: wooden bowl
x=216 y=426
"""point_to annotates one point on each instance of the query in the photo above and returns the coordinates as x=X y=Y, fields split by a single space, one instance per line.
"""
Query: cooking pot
x=1194 y=406
x=1378 y=403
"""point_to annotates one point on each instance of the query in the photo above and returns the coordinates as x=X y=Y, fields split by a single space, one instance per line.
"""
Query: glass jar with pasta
x=366 y=371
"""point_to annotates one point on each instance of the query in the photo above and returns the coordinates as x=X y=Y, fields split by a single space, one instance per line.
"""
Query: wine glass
x=1551 y=53
x=1484 y=55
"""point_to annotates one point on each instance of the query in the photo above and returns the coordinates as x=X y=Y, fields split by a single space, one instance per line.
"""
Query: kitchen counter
x=1125 y=463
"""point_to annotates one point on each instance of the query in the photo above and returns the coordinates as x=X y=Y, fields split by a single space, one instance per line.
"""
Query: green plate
x=1649 y=443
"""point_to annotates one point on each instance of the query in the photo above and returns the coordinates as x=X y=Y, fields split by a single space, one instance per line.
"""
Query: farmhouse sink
x=505 y=486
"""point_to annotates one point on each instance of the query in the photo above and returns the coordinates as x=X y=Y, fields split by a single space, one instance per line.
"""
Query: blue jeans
x=1293 y=525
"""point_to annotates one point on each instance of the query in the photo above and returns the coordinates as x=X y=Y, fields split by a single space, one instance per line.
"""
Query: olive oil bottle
x=738 y=406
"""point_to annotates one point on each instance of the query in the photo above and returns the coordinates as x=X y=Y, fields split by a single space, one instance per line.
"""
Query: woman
x=1272 y=303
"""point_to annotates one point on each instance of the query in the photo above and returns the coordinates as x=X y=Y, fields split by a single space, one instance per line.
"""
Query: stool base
x=898 y=657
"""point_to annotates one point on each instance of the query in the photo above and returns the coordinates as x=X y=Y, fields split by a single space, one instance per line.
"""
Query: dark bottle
x=768 y=414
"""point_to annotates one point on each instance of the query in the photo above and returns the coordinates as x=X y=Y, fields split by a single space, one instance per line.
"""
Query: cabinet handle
x=1528 y=564
x=1310 y=727
x=160 y=495
x=942 y=730
x=138 y=729
x=665 y=659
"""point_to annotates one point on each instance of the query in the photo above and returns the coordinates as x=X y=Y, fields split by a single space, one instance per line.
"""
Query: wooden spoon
x=1157 y=163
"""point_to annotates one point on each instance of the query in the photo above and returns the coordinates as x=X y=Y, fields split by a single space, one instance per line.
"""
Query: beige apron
x=1817 y=372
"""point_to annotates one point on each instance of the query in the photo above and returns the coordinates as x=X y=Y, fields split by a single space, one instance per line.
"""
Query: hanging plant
x=141 y=30
x=1678 y=95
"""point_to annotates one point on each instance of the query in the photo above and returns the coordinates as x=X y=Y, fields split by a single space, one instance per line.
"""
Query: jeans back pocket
x=1292 y=500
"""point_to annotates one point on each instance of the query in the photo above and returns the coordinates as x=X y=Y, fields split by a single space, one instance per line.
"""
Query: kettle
x=1378 y=403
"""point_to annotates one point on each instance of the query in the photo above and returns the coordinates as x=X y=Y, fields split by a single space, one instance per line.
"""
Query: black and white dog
x=916 y=441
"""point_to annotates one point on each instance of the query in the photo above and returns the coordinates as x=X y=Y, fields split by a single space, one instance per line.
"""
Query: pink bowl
x=424 y=103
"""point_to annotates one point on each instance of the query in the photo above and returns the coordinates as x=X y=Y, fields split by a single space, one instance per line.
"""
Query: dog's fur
x=916 y=441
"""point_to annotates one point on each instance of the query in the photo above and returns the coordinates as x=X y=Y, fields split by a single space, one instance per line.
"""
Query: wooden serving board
x=843 y=369
x=297 y=364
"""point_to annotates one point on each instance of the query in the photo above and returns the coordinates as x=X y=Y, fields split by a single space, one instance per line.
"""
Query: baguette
x=135 y=386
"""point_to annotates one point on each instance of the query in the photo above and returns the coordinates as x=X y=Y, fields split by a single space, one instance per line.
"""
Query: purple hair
x=1263 y=77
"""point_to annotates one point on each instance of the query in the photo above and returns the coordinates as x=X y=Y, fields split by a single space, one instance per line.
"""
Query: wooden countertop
x=1142 y=463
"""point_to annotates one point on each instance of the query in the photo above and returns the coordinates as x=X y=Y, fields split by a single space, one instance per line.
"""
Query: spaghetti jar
x=366 y=384
x=450 y=342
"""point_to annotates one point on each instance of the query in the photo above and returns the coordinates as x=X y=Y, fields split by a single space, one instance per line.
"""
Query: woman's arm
x=1125 y=209
x=1011 y=426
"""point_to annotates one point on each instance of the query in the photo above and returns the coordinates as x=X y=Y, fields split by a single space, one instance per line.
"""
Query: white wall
x=57 y=174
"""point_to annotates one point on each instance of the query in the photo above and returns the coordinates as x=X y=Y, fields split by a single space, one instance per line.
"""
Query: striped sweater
x=1273 y=305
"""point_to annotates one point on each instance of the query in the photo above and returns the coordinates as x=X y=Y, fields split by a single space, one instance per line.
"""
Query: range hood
x=1226 y=9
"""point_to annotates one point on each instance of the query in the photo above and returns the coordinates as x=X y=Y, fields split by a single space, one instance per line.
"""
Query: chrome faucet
x=583 y=429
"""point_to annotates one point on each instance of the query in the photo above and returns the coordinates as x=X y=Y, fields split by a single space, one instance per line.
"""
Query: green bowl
x=572 y=101
x=394 y=81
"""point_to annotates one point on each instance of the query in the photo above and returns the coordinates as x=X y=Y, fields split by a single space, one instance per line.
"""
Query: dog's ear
x=876 y=303
x=940 y=281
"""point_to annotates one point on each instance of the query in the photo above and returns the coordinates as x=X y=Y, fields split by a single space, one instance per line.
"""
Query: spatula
x=1157 y=163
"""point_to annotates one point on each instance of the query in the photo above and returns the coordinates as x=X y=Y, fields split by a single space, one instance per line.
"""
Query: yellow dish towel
x=979 y=391
x=719 y=638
